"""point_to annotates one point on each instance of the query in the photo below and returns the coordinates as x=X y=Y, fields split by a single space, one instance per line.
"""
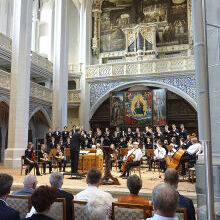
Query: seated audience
x=56 y=180
x=165 y=202
x=134 y=184
x=42 y=199
x=93 y=192
x=6 y=212
x=172 y=178
x=30 y=184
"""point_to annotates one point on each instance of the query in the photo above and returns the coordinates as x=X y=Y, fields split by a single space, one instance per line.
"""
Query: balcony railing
x=41 y=61
x=75 y=68
x=5 y=42
x=74 y=97
x=149 y=67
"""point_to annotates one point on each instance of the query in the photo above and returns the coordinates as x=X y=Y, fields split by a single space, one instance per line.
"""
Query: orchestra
x=165 y=147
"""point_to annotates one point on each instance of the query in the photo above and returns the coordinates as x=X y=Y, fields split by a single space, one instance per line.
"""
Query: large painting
x=159 y=107
x=117 y=15
x=138 y=108
x=117 y=108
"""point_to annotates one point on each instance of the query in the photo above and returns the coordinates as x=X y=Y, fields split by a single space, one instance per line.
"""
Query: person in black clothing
x=172 y=178
x=90 y=135
x=65 y=134
x=6 y=212
x=166 y=132
x=183 y=132
x=86 y=144
x=93 y=142
x=42 y=199
x=57 y=135
x=68 y=143
x=74 y=150
x=148 y=144
x=49 y=136
x=129 y=134
x=188 y=141
x=52 y=145
x=43 y=158
x=29 y=160
x=56 y=181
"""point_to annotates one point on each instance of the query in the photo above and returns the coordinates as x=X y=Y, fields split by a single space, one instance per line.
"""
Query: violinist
x=132 y=159
x=43 y=158
x=60 y=159
x=30 y=160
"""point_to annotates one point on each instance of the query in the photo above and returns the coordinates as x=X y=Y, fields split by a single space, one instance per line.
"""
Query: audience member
x=42 y=199
x=93 y=193
x=56 y=180
x=6 y=212
x=165 y=201
x=172 y=178
x=134 y=184
x=30 y=183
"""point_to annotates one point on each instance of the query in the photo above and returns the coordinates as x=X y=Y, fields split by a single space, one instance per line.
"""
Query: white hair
x=56 y=179
x=97 y=208
x=29 y=180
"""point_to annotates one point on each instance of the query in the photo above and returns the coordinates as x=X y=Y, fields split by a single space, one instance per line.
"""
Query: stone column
x=20 y=84
x=60 y=64
x=85 y=55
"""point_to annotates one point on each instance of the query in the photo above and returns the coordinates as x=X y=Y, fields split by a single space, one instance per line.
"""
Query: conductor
x=74 y=150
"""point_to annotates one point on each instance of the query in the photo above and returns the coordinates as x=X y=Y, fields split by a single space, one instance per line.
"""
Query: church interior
x=119 y=73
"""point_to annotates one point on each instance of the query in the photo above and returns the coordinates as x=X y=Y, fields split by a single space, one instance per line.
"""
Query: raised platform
x=150 y=179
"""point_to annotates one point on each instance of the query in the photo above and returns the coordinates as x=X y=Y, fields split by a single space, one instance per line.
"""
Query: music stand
x=124 y=151
x=107 y=171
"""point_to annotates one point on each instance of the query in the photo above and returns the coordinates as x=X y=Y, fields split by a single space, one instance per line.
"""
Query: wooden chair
x=123 y=211
x=138 y=168
x=22 y=204
x=58 y=209
x=23 y=165
x=79 y=210
x=181 y=213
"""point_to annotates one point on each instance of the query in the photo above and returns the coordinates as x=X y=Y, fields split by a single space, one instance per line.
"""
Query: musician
x=90 y=135
x=67 y=144
x=122 y=143
x=93 y=142
x=86 y=144
x=166 y=132
x=191 y=154
x=173 y=143
x=137 y=133
x=65 y=134
x=160 y=154
x=52 y=145
x=115 y=138
x=148 y=144
x=57 y=135
x=174 y=132
x=108 y=137
x=60 y=159
x=74 y=151
x=49 y=135
x=158 y=134
x=183 y=132
x=98 y=135
x=62 y=144
x=43 y=157
x=188 y=141
x=82 y=130
x=30 y=160
x=136 y=152
x=119 y=133
x=74 y=129
x=129 y=134
x=147 y=132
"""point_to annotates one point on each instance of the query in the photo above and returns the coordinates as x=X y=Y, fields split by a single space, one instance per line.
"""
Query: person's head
x=137 y=130
x=58 y=147
x=42 y=198
x=5 y=184
x=61 y=140
x=166 y=127
x=117 y=129
x=165 y=141
x=129 y=130
x=29 y=147
x=148 y=139
x=146 y=128
x=94 y=177
x=65 y=128
x=50 y=130
x=93 y=139
x=102 y=138
x=90 y=131
x=129 y=146
x=173 y=126
x=171 y=177
x=158 y=129
x=56 y=180
x=135 y=145
x=134 y=184
x=68 y=139
x=188 y=137
x=173 y=140
x=30 y=181
x=57 y=128
x=42 y=147
x=194 y=140
x=96 y=208
x=182 y=126
x=165 y=200
x=53 y=139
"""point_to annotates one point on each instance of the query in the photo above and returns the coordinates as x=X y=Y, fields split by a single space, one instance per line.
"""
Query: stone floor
x=150 y=179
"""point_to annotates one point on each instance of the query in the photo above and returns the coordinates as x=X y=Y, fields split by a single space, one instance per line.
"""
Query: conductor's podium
x=88 y=160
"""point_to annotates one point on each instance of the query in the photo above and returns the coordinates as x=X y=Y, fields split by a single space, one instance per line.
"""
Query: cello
x=174 y=161
x=129 y=159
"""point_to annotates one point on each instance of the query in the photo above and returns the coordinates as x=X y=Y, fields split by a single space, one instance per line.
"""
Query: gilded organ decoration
x=123 y=27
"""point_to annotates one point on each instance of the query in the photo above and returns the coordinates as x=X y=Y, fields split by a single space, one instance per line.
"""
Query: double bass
x=174 y=161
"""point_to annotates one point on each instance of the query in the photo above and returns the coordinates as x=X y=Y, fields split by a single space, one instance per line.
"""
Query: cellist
x=132 y=159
